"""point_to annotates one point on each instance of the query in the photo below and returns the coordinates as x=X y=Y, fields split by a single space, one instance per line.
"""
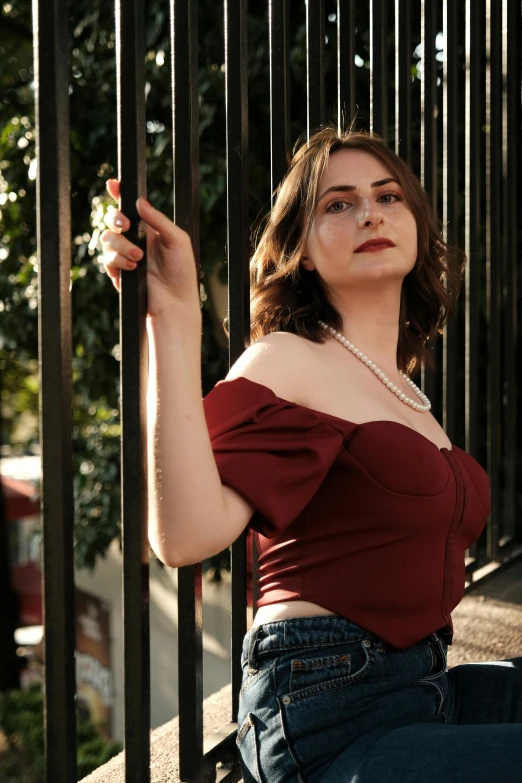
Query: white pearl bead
x=381 y=375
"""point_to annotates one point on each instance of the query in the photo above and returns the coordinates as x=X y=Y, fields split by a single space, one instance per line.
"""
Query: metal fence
x=444 y=71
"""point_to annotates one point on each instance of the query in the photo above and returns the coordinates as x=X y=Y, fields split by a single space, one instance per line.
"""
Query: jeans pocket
x=311 y=673
x=246 y=742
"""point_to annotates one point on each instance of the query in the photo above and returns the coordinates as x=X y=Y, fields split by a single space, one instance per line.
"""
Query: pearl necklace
x=381 y=375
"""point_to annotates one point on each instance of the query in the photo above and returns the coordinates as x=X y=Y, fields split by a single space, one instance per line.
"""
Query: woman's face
x=354 y=205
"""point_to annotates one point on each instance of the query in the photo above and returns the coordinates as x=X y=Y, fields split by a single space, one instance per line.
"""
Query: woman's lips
x=374 y=248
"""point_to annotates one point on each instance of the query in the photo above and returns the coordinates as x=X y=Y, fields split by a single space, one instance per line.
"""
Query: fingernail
x=118 y=222
x=144 y=200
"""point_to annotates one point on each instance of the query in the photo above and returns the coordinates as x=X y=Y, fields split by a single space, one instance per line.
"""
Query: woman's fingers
x=116 y=220
x=113 y=187
x=171 y=235
x=122 y=246
x=113 y=261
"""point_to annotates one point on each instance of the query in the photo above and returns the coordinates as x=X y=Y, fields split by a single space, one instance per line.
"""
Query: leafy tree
x=22 y=759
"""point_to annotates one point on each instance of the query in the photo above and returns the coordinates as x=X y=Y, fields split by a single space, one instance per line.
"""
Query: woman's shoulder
x=279 y=361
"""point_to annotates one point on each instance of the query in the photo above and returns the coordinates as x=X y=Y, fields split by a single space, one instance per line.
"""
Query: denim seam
x=330 y=685
x=433 y=658
x=247 y=724
x=439 y=690
x=309 y=646
x=326 y=662
x=326 y=665
x=255 y=676
x=288 y=743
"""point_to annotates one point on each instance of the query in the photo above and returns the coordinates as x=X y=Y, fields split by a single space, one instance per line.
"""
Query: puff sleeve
x=273 y=452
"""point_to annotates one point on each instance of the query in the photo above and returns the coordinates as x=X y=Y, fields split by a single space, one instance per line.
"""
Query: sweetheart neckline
x=345 y=421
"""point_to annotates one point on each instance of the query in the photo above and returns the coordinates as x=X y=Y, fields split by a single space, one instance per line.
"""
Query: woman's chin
x=379 y=271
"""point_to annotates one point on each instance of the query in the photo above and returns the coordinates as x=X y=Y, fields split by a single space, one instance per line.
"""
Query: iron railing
x=467 y=119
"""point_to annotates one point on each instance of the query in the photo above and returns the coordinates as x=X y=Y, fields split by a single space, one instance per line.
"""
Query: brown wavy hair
x=285 y=297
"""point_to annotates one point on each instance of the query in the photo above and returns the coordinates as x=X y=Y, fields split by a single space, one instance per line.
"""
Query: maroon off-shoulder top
x=371 y=521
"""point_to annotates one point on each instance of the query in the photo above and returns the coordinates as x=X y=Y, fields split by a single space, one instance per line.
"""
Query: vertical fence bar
x=53 y=226
x=236 y=83
x=130 y=55
x=450 y=215
x=315 y=93
x=403 y=79
x=278 y=31
x=345 y=61
x=278 y=26
x=185 y=161
x=511 y=33
x=378 y=68
x=472 y=226
x=494 y=259
x=428 y=157
x=472 y=213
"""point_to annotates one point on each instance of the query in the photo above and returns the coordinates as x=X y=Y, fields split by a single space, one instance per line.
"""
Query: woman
x=318 y=440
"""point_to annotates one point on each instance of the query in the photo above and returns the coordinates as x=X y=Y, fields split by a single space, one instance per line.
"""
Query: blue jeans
x=324 y=700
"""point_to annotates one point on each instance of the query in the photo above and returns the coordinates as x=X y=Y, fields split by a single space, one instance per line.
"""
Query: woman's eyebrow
x=345 y=188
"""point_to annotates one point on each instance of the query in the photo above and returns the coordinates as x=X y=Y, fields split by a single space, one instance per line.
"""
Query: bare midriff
x=283 y=611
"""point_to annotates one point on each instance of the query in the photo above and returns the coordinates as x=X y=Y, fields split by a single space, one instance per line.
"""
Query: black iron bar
x=345 y=62
x=278 y=26
x=428 y=156
x=450 y=212
x=53 y=229
x=494 y=260
x=185 y=159
x=190 y=672
x=130 y=56
x=315 y=88
x=236 y=81
x=472 y=213
x=403 y=58
x=511 y=30
x=473 y=236
x=378 y=68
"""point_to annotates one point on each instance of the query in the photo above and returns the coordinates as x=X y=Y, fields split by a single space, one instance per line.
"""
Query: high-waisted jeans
x=325 y=701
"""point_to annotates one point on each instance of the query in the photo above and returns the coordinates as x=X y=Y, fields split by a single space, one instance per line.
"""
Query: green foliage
x=21 y=722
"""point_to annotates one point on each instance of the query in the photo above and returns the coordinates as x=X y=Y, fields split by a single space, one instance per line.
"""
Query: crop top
x=370 y=521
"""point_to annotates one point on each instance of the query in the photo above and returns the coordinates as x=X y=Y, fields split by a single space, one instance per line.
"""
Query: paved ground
x=488 y=621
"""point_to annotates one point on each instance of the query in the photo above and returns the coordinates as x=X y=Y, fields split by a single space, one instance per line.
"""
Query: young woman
x=361 y=508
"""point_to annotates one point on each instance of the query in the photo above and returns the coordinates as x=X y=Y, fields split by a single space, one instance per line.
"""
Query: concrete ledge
x=164 y=745
x=488 y=627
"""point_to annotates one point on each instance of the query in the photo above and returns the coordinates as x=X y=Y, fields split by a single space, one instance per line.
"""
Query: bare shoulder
x=279 y=361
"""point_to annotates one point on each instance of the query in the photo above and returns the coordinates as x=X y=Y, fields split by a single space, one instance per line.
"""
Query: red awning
x=21 y=499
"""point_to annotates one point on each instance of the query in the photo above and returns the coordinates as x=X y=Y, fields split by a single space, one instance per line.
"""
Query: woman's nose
x=369 y=211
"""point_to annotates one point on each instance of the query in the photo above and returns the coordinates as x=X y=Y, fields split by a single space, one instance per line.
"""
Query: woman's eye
x=395 y=195
x=335 y=204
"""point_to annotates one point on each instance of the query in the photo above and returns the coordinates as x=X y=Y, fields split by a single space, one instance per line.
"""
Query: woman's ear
x=307 y=263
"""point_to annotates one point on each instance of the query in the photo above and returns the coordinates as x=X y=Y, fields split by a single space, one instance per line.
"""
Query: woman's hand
x=171 y=266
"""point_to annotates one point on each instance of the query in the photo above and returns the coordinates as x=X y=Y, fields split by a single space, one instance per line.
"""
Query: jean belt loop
x=254 y=633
